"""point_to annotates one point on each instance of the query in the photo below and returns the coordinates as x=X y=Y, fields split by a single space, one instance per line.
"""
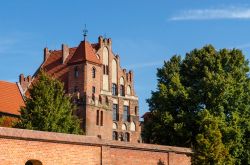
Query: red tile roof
x=85 y=52
x=54 y=66
x=10 y=98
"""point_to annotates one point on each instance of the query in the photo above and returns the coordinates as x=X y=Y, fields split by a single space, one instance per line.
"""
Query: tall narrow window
x=93 y=89
x=97 y=117
x=122 y=91
x=93 y=72
x=76 y=72
x=107 y=100
x=126 y=137
x=115 y=112
x=125 y=113
x=114 y=89
x=101 y=118
x=105 y=69
x=115 y=135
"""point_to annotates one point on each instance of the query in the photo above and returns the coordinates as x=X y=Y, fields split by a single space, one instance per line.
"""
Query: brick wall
x=18 y=146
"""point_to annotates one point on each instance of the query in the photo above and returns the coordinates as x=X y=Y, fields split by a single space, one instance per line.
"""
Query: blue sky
x=144 y=32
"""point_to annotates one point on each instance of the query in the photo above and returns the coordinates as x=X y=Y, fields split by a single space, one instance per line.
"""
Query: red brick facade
x=91 y=73
x=46 y=148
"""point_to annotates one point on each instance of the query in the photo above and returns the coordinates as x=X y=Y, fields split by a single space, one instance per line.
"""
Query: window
x=107 y=100
x=114 y=89
x=76 y=72
x=97 y=117
x=105 y=69
x=126 y=137
x=100 y=99
x=115 y=126
x=93 y=97
x=122 y=90
x=125 y=113
x=115 y=135
x=115 y=112
x=128 y=90
x=122 y=136
x=124 y=127
x=101 y=118
x=132 y=126
x=93 y=72
x=93 y=89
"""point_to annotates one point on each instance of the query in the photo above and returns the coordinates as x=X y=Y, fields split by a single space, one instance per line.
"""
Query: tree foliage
x=203 y=102
x=48 y=108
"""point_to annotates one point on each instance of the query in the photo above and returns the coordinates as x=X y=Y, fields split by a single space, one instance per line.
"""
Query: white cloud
x=211 y=14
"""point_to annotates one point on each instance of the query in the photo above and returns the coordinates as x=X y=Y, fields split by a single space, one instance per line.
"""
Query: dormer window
x=76 y=72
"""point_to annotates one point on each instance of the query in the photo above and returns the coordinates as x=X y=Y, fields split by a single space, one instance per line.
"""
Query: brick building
x=103 y=92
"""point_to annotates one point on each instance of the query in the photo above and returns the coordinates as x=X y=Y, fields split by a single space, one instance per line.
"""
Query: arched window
x=93 y=72
x=101 y=118
x=128 y=90
x=107 y=100
x=115 y=112
x=115 y=135
x=132 y=126
x=33 y=162
x=125 y=113
x=114 y=71
x=122 y=136
x=114 y=89
x=115 y=126
x=122 y=88
x=105 y=61
x=124 y=127
x=126 y=137
x=100 y=99
x=97 y=117
x=76 y=72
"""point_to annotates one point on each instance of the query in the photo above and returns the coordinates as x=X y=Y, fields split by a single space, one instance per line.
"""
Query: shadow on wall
x=160 y=162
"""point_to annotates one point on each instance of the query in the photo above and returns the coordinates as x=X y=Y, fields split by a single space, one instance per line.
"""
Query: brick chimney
x=100 y=41
x=24 y=81
x=65 y=52
x=46 y=54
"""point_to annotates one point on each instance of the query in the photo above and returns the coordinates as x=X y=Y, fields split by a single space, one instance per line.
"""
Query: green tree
x=200 y=101
x=48 y=108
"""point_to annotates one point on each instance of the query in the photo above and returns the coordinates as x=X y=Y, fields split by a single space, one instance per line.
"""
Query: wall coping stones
x=32 y=135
